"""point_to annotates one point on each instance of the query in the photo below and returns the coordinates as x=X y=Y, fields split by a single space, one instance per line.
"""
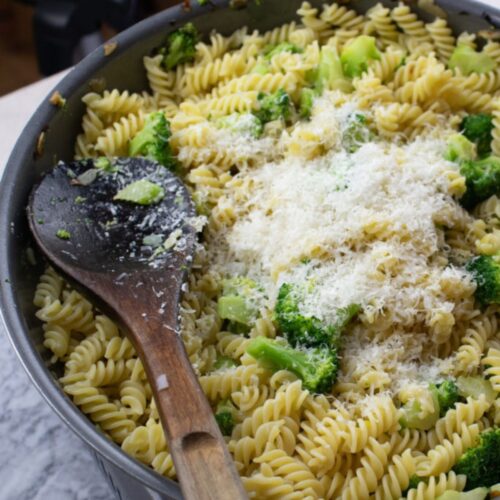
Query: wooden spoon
x=116 y=250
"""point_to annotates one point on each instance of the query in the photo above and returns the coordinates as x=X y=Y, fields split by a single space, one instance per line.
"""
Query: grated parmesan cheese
x=363 y=227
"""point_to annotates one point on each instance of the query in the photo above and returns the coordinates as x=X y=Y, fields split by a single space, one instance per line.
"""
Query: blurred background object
x=41 y=37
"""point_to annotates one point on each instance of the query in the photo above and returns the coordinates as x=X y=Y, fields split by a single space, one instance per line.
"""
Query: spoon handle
x=202 y=461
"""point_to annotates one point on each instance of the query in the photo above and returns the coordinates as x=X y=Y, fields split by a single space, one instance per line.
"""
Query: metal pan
x=50 y=136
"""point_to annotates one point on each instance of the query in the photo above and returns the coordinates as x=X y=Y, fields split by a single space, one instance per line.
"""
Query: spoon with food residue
x=126 y=230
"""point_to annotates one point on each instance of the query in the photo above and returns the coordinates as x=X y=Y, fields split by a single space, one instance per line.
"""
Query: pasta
x=437 y=486
x=384 y=26
x=351 y=198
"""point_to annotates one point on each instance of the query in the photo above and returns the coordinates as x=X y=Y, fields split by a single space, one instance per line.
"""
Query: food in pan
x=342 y=310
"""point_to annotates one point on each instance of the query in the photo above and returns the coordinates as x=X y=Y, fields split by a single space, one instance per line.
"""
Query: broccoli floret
x=486 y=273
x=152 y=141
x=307 y=96
x=481 y=463
x=413 y=484
x=482 y=180
x=459 y=149
x=468 y=61
x=316 y=367
x=356 y=54
x=356 y=132
x=276 y=106
x=415 y=481
x=224 y=415
x=245 y=124
x=478 y=129
x=476 y=494
x=308 y=330
x=447 y=395
x=271 y=50
x=329 y=74
x=240 y=300
x=180 y=46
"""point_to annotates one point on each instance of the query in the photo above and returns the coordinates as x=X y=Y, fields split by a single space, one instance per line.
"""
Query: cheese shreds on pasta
x=361 y=228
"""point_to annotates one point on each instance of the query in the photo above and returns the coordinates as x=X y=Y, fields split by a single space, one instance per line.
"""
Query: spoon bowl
x=106 y=235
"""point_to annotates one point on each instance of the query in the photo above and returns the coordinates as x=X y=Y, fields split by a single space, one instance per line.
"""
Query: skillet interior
x=122 y=70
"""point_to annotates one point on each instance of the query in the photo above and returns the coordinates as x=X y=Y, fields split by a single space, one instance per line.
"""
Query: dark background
x=21 y=63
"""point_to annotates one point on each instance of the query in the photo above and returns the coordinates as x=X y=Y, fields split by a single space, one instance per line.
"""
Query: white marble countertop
x=41 y=457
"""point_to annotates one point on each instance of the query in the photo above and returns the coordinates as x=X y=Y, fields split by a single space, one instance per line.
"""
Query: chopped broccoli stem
x=476 y=494
x=467 y=61
x=412 y=418
x=261 y=68
x=447 y=395
x=153 y=141
x=201 y=203
x=317 y=367
x=356 y=132
x=180 y=46
x=63 y=234
x=237 y=328
x=104 y=164
x=245 y=124
x=344 y=317
x=271 y=50
x=276 y=106
x=239 y=285
x=240 y=300
x=478 y=129
x=459 y=149
x=142 y=192
x=329 y=74
x=474 y=387
x=482 y=180
x=486 y=273
x=224 y=362
x=224 y=415
x=234 y=308
x=306 y=102
x=481 y=463
x=356 y=54
x=308 y=330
